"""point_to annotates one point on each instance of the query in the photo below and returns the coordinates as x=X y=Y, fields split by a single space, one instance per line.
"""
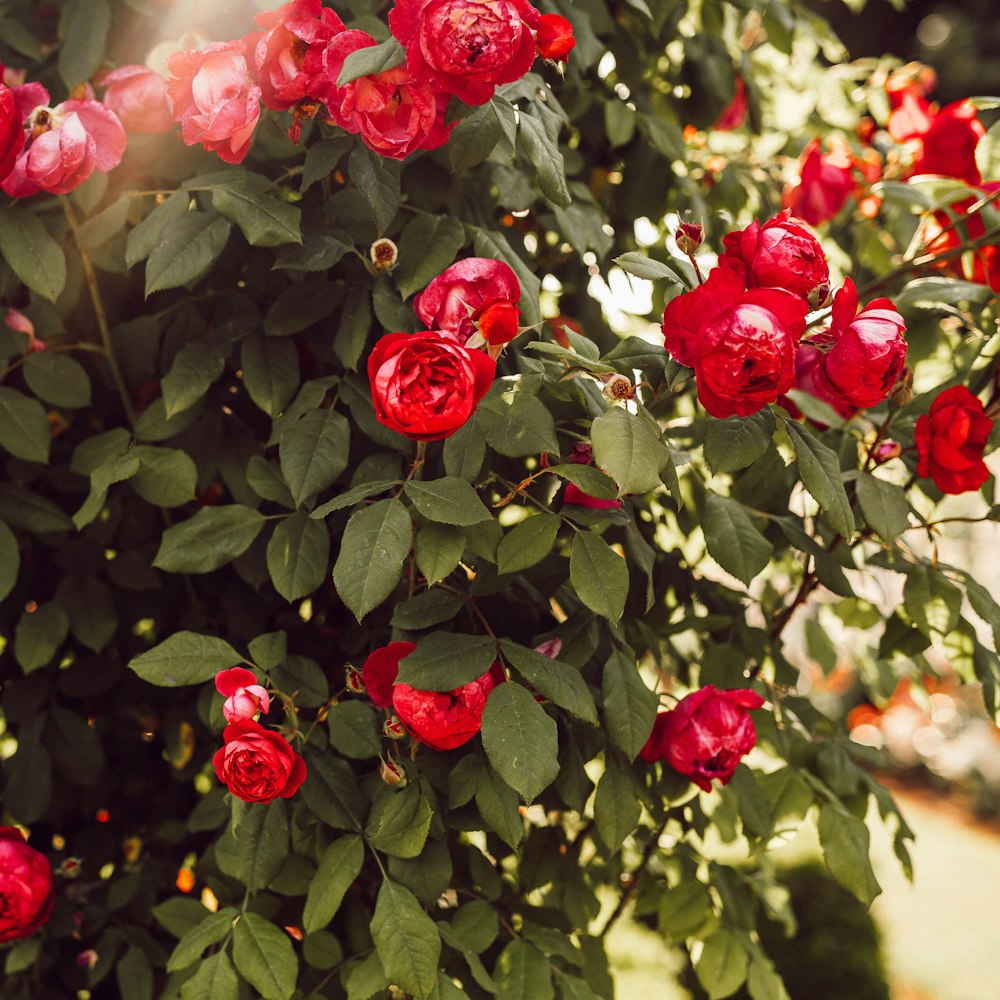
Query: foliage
x=194 y=478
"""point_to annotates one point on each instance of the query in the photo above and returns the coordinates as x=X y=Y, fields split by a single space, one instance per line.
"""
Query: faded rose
x=244 y=696
x=214 y=98
x=826 y=181
x=256 y=764
x=138 y=95
x=706 y=734
x=27 y=887
x=466 y=47
x=380 y=669
x=425 y=385
x=444 y=720
x=950 y=439
x=781 y=253
x=740 y=343
x=11 y=130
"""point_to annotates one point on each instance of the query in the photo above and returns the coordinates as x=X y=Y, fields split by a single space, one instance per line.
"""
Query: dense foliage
x=247 y=424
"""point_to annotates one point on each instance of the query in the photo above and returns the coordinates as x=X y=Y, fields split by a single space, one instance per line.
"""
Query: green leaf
x=429 y=608
x=844 y=839
x=544 y=154
x=495 y=245
x=57 y=379
x=10 y=560
x=269 y=650
x=354 y=496
x=520 y=740
x=375 y=543
x=629 y=706
x=339 y=865
x=372 y=60
x=322 y=158
x=270 y=372
x=438 y=550
x=499 y=806
x=723 y=964
x=166 y=477
x=262 y=839
x=301 y=305
x=399 y=822
x=23 y=509
x=736 y=442
x=647 y=267
x=884 y=506
x=764 y=983
x=215 y=978
x=39 y=634
x=298 y=555
x=516 y=423
x=428 y=244
x=592 y=481
x=354 y=730
x=195 y=367
x=931 y=600
x=449 y=501
x=628 y=448
x=91 y=607
x=313 y=453
x=317 y=252
x=444 y=661
x=732 y=539
x=210 y=539
x=522 y=973
x=24 y=428
x=378 y=180
x=83 y=29
x=819 y=468
x=527 y=543
x=616 y=806
x=134 y=974
x=188 y=247
x=179 y=914
x=185 y=658
x=96 y=231
x=355 y=322
x=266 y=221
x=34 y=256
x=29 y=774
x=406 y=939
x=331 y=791
x=684 y=909
x=212 y=929
x=264 y=957
x=562 y=684
x=474 y=138
x=116 y=470
x=142 y=240
x=598 y=575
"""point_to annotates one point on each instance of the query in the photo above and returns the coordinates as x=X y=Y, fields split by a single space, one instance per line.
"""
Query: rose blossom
x=444 y=720
x=11 y=130
x=781 y=253
x=949 y=144
x=734 y=114
x=826 y=181
x=380 y=670
x=244 y=696
x=27 y=887
x=256 y=764
x=138 y=95
x=706 y=734
x=63 y=145
x=426 y=386
x=740 y=343
x=214 y=99
x=950 y=439
x=575 y=495
x=857 y=362
x=554 y=37
x=982 y=265
x=467 y=47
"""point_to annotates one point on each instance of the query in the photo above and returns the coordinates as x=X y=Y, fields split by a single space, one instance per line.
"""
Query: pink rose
x=27 y=887
x=245 y=698
x=466 y=47
x=826 y=181
x=380 y=670
x=395 y=112
x=63 y=145
x=11 y=130
x=256 y=764
x=740 y=343
x=138 y=95
x=444 y=720
x=705 y=735
x=781 y=253
x=857 y=362
x=214 y=98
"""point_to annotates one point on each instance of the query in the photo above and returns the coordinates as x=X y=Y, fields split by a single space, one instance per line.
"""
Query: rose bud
x=380 y=669
x=443 y=720
x=582 y=453
x=392 y=773
x=87 y=959
x=825 y=182
x=554 y=37
x=354 y=680
x=256 y=764
x=138 y=95
x=781 y=253
x=705 y=735
x=497 y=324
x=689 y=237
x=950 y=439
x=393 y=729
x=245 y=698
x=384 y=254
x=425 y=385
x=27 y=886
x=886 y=451
x=550 y=648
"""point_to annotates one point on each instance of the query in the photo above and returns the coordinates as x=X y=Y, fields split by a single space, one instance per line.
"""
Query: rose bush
x=453 y=369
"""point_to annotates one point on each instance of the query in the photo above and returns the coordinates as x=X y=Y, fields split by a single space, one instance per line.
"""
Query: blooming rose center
x=43 y=119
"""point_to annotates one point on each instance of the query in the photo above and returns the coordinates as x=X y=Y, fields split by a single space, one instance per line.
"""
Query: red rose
x=705 y=735
x=554 y=37
x=949 y=144
x=740 y=343
x=256 y=764
x=444 y=720
x=11 y=129
x=734 y=114
x=27 y=887
x=858 y=361
x=214 y=99
x=395 y=112
x=138 y=96
x=575 y=495
x=826 y=181
x=380 y=669
x=425 y=385
x=466 y=47
x=782 y=253
x=244 y=696
x=950 y=439
x=983 y=265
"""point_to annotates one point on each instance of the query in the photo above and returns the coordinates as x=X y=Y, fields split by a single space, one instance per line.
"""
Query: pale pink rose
x=138 y=95
x=245 y=698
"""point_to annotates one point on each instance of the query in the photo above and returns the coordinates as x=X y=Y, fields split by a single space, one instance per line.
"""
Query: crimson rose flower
x=11 y=130
x=554 y=37
x=950 y=439
x=214 y=99
x=256 y=764
x=740 y=343
x=244 y=696
x=826 y=181
x=983 y=265
x=380 y=669
x=857 y=362
x=705 y=735
x=27 y=887
x=781 y=253
x=949 y=144
x=138 y=96
x=466 y=47
x=425 y=385
x=575 y=495
x=444 y=720
x=734 y=114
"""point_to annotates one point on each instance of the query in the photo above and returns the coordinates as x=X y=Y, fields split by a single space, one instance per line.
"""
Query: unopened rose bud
x=582 y=453
x=618 y=388
x=689 y=237
x=87 y=959
x=355 y=681
x=245 y=698
x=394 y=729
x=392 y=773
x=887 y=450
x=384 y=254
x=70 y=868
